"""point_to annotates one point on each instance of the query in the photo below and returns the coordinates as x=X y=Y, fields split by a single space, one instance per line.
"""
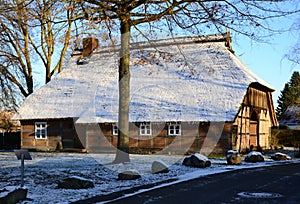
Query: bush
x=287 y=138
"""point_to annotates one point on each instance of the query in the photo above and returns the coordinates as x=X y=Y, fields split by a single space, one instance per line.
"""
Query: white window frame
x=115 y=130
x=145 y=129
x=174 y=129
x=40 y=130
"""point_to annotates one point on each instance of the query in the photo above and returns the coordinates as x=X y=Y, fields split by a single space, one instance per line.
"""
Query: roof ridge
x=222 y=37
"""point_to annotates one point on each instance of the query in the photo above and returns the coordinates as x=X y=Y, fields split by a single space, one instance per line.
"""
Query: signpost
x=22 y=155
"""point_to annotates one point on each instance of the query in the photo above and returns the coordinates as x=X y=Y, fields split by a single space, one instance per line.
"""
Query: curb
x=121 y=193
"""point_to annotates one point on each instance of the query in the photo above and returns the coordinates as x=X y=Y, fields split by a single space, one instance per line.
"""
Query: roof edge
x=260 y=86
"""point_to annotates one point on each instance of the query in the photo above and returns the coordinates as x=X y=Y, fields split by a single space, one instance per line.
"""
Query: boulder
x=233 y=157
x=280 y=156
x=196 y=160
x=76 y=182
x=12 y=194
x=159 y=166
x=297 y=155
x=254 y=157
x=129 y=175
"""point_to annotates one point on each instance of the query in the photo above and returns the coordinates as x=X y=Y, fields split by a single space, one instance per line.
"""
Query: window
x=115 y=130
x=174 y=129
x=145 y=129
x=41 y=130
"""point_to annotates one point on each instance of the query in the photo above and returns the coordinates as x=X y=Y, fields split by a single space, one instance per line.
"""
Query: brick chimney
x=89 y=45
x=228 y=40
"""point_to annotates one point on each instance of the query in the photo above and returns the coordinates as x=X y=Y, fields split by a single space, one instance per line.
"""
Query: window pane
x=171 y=131
x=177 y=129
x=142 y=130
x=148 y=130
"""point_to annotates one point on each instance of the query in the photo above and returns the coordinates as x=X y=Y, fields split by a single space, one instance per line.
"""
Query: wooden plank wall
x=246 y=134
x=99 y=137
x=194 y=134
x=60 y=134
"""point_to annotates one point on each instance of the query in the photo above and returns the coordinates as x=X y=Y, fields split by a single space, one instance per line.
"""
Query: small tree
x=289 y=96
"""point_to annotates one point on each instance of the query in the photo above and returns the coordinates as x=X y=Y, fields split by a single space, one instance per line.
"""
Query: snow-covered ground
x=45 y=170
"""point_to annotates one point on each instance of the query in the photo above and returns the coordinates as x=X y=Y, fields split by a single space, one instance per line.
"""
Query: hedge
x=286 y=138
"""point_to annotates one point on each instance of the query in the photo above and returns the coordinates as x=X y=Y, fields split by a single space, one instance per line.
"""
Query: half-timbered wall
x=253 y=123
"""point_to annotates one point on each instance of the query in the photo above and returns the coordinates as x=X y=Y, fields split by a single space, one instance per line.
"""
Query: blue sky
x=267 y=59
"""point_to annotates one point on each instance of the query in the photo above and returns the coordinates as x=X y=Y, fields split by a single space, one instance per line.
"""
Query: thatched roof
x=291 y=116
x=183 y=79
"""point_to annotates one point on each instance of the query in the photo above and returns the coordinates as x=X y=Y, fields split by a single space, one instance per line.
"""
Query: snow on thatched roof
x=183 y=79
x=291 y=115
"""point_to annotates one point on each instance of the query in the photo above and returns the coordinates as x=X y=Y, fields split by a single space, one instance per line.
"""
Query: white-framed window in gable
x=174 y=129
x=115 y=130
x=145 y=129
x=40 y=129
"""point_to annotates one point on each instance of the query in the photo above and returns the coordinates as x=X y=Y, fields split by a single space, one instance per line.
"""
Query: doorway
x=254 y=131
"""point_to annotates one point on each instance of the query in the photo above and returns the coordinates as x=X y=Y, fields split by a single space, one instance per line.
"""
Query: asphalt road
x=276 y=184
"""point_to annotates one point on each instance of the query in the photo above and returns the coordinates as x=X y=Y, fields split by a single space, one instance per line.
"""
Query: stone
x=129 y=175
x=233 y=157
x=254 y=157
x=159 y=166
x=196 y=160
x=12 y=195
x=76 y=182
x=280 y=156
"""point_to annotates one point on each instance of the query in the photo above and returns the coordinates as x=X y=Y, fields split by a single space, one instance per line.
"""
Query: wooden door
x=253 y=134
x=253 y=130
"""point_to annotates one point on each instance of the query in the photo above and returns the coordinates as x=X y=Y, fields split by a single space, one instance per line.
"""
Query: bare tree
x=175 y=16
x=33 y=34
x=294 y=53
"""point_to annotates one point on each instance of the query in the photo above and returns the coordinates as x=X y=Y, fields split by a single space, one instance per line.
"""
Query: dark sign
x=25 y=153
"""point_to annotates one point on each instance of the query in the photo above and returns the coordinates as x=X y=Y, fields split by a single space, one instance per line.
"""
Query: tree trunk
x=122 y=154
